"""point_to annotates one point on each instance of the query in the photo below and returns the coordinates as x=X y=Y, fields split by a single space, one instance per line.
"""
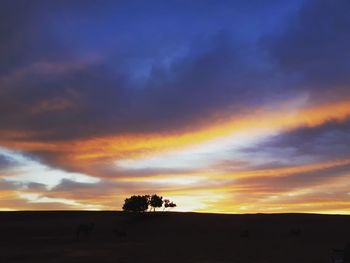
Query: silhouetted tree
x=136 y=203
x=156 y=201
x=140 y=203
x=168 y=204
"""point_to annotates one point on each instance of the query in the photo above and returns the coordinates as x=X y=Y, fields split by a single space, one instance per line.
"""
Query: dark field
x=170 y=237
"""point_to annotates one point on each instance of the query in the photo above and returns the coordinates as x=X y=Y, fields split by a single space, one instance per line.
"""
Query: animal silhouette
x=294 y=232
x=119 y=233
x=341 y=255
x=84 y=230
x=244 y=234
x=337 y=256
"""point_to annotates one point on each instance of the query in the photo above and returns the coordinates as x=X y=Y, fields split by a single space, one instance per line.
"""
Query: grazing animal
x=341 y=255
x=294 y=232
x=119 y=233
x=337 y=256
x=347 y=253
x=244 y=234
x=84 y=230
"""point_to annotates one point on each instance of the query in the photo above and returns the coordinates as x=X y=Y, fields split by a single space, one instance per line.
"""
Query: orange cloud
x=226 y=196
x=140 y=145
x=284 y=171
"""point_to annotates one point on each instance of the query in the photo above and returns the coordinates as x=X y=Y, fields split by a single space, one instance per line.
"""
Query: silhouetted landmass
x=170 y=237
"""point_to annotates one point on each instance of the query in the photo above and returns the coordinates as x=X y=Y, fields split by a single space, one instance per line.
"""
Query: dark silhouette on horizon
x=168 y=204
x=141 y=203
x=136 y=203
x=156 y=201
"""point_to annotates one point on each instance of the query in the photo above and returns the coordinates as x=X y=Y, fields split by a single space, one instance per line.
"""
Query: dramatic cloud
x=5 y=162
x=324 y=142
x=219 y=106
x=314 y=47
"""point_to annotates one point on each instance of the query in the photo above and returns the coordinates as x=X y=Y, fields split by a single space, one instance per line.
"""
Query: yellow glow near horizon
x=207 y=187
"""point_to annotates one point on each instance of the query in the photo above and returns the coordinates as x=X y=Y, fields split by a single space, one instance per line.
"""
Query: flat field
x=170 y=237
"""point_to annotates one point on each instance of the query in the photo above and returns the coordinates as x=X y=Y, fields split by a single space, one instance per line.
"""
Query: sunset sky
x=221 y=106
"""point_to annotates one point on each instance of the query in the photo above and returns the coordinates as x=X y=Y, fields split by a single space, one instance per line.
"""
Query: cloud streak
x=223 y=107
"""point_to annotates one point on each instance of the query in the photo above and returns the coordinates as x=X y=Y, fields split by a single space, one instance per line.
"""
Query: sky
x=221 y=106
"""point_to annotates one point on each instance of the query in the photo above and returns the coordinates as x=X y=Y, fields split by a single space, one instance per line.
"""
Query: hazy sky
x=222 y=106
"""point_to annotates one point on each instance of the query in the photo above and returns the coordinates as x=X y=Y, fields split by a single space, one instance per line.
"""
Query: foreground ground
x=170 y=237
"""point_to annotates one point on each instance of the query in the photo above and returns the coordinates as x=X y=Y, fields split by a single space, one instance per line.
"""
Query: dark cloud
x=6 y=162
x=67 y=185
x=5 y=185
x=90 y=100
x=26 y=186
x=74 y=73
x=31 y=186
x=314 y=47
x=329 y=141
x=82 y=71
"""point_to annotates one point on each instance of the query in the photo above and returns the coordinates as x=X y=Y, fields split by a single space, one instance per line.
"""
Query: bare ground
x=171 y=237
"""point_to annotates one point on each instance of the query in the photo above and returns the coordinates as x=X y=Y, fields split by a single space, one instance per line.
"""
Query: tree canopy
x=156 y=201
x=136 y=203
x=169 y=204
x=141 y=203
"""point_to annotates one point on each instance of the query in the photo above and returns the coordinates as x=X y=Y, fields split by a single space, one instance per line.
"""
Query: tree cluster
x=141 y=203
x=168 y=204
